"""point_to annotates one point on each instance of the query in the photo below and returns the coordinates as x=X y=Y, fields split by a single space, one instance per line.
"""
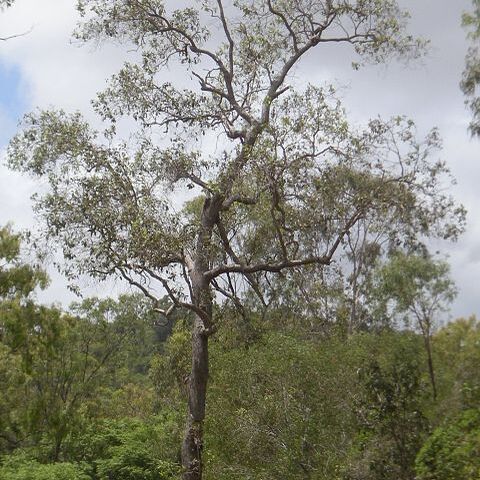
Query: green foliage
x=291 y=180
x=13 y=379
x=390 y=413
x=61 y=371
x=292 y=176
x=418 y=284
x=79 y=390
x=420 y=289
x=452 y=452
x=124 y=449
x=283 y=407
x=130 y=449
x=129 y=324
x=67 y=360
x=170 y=369
x=286 y=407
x=18 y=280
x=261 y=33
x=56 y=366
x=458 y=363
x=267 y=420
x=21 y=467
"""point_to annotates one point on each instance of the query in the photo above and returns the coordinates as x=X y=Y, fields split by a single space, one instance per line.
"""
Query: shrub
x=452 y=452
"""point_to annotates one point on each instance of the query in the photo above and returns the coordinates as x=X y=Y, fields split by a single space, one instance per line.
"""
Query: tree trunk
x=431 y=371
x=197 y=383
x=426 y=329
x=197 y=389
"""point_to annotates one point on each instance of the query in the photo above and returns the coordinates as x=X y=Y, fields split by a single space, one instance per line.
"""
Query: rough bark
x=197 y=386
x=197 y=383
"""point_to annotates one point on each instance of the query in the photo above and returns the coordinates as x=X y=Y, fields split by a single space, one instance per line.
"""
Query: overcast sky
x=44 y=69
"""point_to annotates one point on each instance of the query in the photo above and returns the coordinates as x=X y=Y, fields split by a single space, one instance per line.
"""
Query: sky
x=45 y=68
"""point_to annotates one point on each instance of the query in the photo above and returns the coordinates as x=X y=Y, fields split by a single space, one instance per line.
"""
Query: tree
x=285 y=425
x=129 y=449
x=391 y=416
x=419 y=286
x=19 y=468
x=451 y=451
x=53 y=362
x=18 y=281
x=471 y=73
x=287 y=182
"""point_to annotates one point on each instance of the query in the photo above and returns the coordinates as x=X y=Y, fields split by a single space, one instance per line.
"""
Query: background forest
x=98 y=392
x=286 y=312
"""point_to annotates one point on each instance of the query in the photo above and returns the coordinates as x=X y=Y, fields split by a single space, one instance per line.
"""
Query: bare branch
x=176 y=301
x=198 y=181
x=231 y=44
x=265 y=267
x=238 y=199
x=17 y=35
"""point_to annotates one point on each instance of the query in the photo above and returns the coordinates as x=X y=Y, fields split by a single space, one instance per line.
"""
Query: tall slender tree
x=288 y=179
x=421 y=289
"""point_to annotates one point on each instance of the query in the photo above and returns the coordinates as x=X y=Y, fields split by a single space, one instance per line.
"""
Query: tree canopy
x=282 y=192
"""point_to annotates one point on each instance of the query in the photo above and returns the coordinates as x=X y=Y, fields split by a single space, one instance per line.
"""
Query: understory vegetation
x=98 y=392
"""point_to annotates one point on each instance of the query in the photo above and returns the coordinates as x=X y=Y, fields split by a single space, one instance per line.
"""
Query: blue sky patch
x=12 y=101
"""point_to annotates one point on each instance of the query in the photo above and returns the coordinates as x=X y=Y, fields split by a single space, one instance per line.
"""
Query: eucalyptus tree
x=471 y=73
x=235 y=178
x=420 y=288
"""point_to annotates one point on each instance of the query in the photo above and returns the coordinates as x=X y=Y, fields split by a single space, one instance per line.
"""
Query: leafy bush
x=20 y=467
x=280 y=410
x=389 y=408
x=452 y=452
x=130 y=449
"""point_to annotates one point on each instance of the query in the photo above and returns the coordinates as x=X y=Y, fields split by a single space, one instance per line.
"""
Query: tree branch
x=284 y=20
x=265 y=267
x=231 y=44
x=228 y=248
x=245 y=269
x=17 y=35
x=237 y=198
